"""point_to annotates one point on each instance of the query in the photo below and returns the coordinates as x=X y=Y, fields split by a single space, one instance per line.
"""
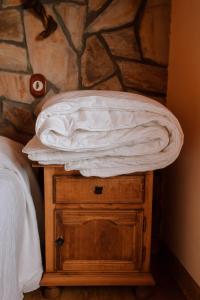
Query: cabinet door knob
x=98 y=190
x=60 y=241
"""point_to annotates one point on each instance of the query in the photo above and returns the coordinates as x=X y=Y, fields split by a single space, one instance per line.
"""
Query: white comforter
x=20 y=256
x=105 y=133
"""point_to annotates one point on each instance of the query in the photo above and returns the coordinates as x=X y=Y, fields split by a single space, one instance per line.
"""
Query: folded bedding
x=105 y=133
x=20 y=205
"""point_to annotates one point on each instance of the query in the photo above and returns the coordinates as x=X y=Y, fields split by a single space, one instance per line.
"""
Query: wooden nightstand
x=97 y=231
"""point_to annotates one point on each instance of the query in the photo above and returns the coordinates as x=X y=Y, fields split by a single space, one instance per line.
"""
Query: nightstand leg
x=51 y=292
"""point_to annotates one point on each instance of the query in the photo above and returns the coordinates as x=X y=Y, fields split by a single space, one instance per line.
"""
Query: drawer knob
x=60 y=241
x=98 y=190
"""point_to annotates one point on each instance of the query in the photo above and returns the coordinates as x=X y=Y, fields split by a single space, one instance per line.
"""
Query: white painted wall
x=182 y=205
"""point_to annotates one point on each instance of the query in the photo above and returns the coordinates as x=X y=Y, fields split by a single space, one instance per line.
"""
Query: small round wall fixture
x=38 y=85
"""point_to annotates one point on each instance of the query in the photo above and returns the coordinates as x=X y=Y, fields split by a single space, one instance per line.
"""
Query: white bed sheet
x=20 y=255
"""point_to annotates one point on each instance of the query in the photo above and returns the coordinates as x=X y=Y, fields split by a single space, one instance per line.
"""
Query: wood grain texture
x=166 y=288
x=99 y=241
x=106 y=242
x=49 y=220
x=148 y=223
x=64 y=279
x=166 y=291
x=77 y=189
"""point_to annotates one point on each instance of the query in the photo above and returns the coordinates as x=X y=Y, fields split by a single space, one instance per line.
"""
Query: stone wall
x=99 y=44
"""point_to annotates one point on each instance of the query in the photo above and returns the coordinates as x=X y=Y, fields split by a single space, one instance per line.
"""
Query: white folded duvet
x=105 y=133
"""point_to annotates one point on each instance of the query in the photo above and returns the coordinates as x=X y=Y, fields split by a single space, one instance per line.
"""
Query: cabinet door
x=98 y=241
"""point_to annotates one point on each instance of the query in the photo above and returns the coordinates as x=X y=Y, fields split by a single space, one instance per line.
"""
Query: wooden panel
x=148 y=216
x=65 y=279
x=106 y=238
x=49 y=219
x=108 y=241
x=100 y=265
x=78 y=189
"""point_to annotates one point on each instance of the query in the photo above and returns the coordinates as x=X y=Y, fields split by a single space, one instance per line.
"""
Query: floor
x=165 y=289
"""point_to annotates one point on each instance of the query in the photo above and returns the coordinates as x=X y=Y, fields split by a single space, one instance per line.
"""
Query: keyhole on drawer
x=98 y=190
x=60 y=241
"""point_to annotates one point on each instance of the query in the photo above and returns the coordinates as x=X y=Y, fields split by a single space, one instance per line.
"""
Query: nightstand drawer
x=78 y=189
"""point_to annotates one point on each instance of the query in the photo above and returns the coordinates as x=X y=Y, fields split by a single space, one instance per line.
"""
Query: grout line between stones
x=14 y=71
x=17 y=104
x=80 y=85
x=100 y=81
x=151 y=62
x=141 y=62
x=14 y=43
x=137 y=23
x=79 y=55
x=52 y=86
x=117 y=69
x=63 y=1
x=64 y=29
x=113 y=29
x=94 y=14
x=2 y=98
x=17 y=7
x=145 y=92
x=29 y=66
x=84 y=27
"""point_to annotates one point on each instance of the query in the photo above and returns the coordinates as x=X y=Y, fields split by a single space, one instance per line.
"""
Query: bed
x=20 y=214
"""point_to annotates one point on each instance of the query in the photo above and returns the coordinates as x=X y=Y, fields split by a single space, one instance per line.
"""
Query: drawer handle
x=60 y=241
x=98 y=190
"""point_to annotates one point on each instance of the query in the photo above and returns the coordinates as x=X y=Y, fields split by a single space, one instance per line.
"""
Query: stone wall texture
x=99 y=44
